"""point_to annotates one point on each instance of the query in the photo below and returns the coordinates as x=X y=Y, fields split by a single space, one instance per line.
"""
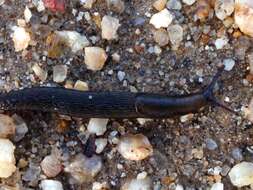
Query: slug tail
x=209 y=95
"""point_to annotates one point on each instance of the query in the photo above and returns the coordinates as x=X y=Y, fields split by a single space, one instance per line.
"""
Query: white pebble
x=221 y=42
x=87 y=3
x=229 y=64
x=179 y=187
x=135 y=147
x=100 y=145
x=121 y=75
x=100 y=186
x=189 y=2
x=161 y=19
x=95 y=58
x=97 y=126
x=7 y=158
x=217 y=186
x=224 y=8
x=109 y=26
x=84 y=169
x=137 y=184
x=51 y=185
x=27 y=14
x=21 y=128
x=73 y=39
x=21 y=38
x=176 y=33
x=81 y=85
x=241 y=174
x=39 y=72
x=60 y=73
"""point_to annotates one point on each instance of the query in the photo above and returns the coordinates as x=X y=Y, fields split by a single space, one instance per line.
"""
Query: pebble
x=116 y=5
x=60 y=73
x=176 y=33
x=121 y=75
x=109 y=26
x=244 y=16
x=95 y=58
x=161 y=37
x=241 y=174
x=189 y=2
x=250 y=60
x=229 y=64
x=186 y=118
x=87 y=3
x=135 y=147
x=179 y=187
x=159 y=4
x=21 y=38
x=51 y=166
x=203 y=9
x=217 y=186
x=32 y=173
x=7 y=158
x=39 y=72
x=100 y=186
x=221 y=42
x=174 y=4
x=211 y=144
x=100 y=145
x=27 y=14
x=161 y=19
x=81 y=85
x=74 y=40
x=237 y=154
x=7 y=126
x=84 y=169
x=137 y=184
x=224 y=8
x=97 y=126
x=21 y=128
x=248 y=112
x=47 y=184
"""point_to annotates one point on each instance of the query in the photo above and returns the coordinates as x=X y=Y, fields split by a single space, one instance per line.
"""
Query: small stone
x=95 y=58
x=7 y=126
x=55 y=5
x=198 y=153
x=100 y=186
x=189 y=2
x=27 y=14
x=84 y=169
x=40 y=6
x=109 y=26
x=60 y=73
x=161 y=37
x=203 y=9
x=224 y=8
x=97 y=126
x=211 y=144
x=47 y=184
x=135 y=147
x=186 y=118
x=51 y=166
x=32 y=173
x=7 y=158
x=237 y=154
x=21 y=38
x=121 y=75
x=159 y=4
x=140 y=184
x=161 y=19
x=87 y=3
x=80 y=85
x=217 y=186
x=229 y=64
x=250 y=59
x=116 y=5
x=221 y=42
x=39 y=72
x=176 y=33
x=116 y=57
x=244 y=16
x=174 y=4
x=100 y=145
x=73 y=39
x=21 y=128
x=179 y=187
x=241 y=174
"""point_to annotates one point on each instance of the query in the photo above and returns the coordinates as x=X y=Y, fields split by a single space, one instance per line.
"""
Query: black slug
x=108 y=104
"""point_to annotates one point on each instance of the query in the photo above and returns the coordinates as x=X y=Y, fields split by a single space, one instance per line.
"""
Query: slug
x=108 y=104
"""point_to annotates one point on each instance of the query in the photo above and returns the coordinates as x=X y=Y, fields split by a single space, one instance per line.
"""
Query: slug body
x=105 y=104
